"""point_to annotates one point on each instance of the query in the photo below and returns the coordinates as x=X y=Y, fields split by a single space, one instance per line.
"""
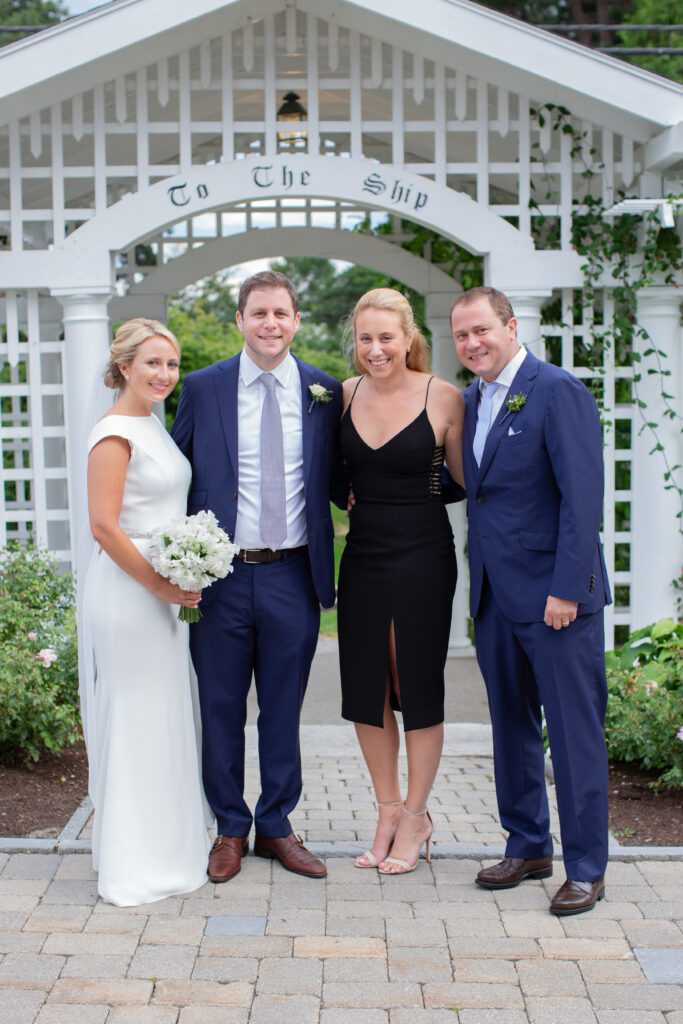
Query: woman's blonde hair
x=127 y=340
x=417 y=357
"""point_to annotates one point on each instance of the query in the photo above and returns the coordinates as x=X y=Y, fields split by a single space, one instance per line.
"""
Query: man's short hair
x=499 y=301
x=266 y=279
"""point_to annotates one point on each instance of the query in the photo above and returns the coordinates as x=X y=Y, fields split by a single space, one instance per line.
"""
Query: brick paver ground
x=355 y=948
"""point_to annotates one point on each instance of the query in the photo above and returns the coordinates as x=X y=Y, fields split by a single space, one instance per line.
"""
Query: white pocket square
x=512 y=433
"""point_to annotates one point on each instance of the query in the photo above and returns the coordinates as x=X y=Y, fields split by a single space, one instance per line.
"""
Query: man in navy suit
x=532 y=453
x=260 y=431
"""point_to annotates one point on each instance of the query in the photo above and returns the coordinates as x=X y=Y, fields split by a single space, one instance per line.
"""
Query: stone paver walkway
x=355 y=948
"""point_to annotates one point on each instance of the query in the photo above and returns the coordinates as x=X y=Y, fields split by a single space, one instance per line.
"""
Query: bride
x=139 y=703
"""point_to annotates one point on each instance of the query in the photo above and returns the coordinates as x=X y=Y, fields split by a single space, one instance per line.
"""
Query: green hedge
x=39 y=708
x=644 y=720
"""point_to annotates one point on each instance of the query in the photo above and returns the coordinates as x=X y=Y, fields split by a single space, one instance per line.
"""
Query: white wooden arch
x=326 y=243
x=384 y=186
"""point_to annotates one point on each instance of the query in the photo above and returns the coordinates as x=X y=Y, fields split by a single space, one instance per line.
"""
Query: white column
x=86 y=339
x=656 y=541
x=446 y=364
x=527 y=309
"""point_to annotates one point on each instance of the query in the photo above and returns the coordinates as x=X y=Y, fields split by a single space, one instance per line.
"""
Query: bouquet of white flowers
x=193 y=552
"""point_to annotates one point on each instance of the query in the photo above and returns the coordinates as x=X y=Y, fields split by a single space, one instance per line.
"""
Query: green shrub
x=38 y=655
x=644 y=720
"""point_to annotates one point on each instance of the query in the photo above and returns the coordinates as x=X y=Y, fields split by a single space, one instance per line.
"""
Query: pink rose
x=679 y=734
x=32 y=635
x=47 y=656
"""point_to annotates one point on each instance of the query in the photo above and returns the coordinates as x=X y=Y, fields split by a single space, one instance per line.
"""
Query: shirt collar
x=249 y=371
x=509 y=372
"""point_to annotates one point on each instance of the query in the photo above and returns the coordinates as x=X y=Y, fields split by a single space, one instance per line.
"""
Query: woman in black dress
x=398 y=571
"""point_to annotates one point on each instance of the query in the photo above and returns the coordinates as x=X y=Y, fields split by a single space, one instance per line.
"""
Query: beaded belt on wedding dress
x=139 y=535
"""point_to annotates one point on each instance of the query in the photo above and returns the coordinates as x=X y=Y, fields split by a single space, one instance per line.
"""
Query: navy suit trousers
x=261 y=620
x=526 y=666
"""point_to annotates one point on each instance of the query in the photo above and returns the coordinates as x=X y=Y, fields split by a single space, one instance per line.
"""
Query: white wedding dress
x=140 y=708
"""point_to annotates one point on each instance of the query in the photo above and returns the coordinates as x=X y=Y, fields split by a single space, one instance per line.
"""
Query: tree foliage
x=29 y=13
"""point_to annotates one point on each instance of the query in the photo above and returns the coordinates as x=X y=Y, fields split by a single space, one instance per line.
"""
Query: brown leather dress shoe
x=577 y=897
x=510 y=872
x=292 y=854
x=225 y=859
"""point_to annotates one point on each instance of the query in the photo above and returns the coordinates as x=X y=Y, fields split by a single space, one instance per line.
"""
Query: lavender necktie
x=273 y=523
x=484 y=419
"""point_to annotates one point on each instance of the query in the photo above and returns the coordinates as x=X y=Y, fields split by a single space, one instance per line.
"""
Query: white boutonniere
x=319 y=394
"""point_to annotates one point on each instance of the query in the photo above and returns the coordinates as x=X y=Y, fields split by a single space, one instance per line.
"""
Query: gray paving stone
x=32 y=865
x=72 y=890
x=308 y=922
x=16 y=942
x=76 y=866
x=58 y=918
x=174 y=962
x=636 y=997
x=473 y=994
x=375 y=995
x=661 y=966
x=559 y=1010
x=353 y=969
x=143 y=1015
x=486 y=971
x=247 y=945
x=416 y=933
x=341 y=926
x=33 y=970
x=222 y=924
x=336 y=1015
x=86 y=1013
x=419 y=963
x=225 y=968
x=281 y=976
x=96 y=966
x=478 y=1016
x=213 y=1015
x=653 y=933
x=632 y=1017
x=550 y=978
x=611 y=971
x=20 y=1006
x=284 y=1009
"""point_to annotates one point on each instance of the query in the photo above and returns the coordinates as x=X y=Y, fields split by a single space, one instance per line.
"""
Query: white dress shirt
x=505 y=379
x=250 y=394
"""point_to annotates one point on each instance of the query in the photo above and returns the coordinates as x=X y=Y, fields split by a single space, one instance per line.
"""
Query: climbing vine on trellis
x=638 y=252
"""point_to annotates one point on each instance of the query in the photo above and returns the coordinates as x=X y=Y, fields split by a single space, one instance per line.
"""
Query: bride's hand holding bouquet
x=192 y=553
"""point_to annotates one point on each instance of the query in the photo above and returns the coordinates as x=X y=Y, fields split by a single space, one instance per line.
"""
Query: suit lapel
x=225 y=386
x=471 y=396
x=523 y=381
x=308 y=420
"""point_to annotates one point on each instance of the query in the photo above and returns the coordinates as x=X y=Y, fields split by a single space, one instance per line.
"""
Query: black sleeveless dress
x=398 y=564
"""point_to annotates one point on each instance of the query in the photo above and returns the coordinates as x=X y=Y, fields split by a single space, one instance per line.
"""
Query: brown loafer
x=510 y=872
x=292 y=854
x=577 y=897
x=225 y=859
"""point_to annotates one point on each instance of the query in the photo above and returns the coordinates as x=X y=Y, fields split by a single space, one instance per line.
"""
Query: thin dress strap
x=427 y=391
x=354 y=392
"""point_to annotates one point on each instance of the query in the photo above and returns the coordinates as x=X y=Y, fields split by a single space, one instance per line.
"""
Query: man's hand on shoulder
x=558 y=613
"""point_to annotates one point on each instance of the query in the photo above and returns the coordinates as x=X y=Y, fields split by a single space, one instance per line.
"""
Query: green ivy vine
x=638 y=252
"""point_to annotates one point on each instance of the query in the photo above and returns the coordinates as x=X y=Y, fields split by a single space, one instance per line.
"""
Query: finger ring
x=565 y=622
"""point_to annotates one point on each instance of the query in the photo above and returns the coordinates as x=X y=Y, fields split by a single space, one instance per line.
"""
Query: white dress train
x=141 y=713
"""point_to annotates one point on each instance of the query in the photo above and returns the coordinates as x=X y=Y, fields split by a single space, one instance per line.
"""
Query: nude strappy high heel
x=404 y=865
x=369 y=856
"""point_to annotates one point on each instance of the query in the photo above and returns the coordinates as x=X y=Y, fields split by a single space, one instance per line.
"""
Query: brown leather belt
x=262 y=556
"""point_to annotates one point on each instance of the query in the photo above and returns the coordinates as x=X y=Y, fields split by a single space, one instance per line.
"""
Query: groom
x=532 y=453
x=260 y=431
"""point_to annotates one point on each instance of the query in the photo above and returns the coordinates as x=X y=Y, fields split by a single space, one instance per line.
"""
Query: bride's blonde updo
x=417 y=358
x=127 y=340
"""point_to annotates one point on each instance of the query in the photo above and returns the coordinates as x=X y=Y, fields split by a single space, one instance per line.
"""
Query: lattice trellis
x=32 y=428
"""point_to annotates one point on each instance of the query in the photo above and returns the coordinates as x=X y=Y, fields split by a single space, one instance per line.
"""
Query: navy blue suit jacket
x=535 y=503
x=205 y=430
